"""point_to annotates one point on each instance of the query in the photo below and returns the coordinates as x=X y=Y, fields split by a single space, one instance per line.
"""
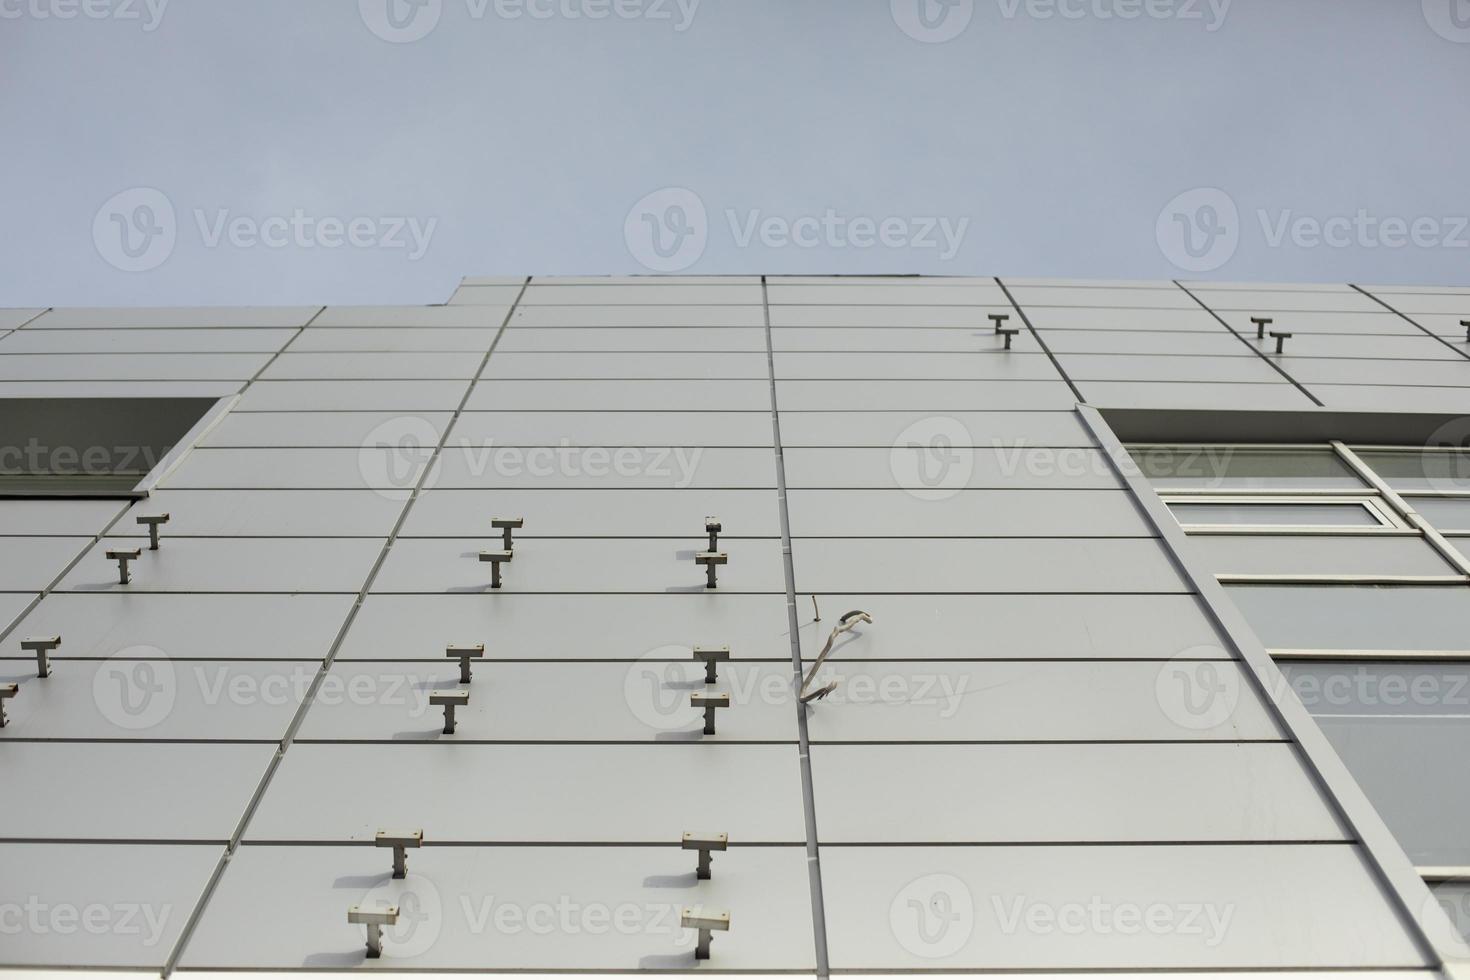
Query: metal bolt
x=496 y=559
x=1281 y=339
x=1261 y=322
x=152 y=522
x=122 y=557
x=507 y=526
x=449 y=701
x=41 y=646
x=400 y=844
x=712 y=657
x=704 y=844
x=998 y=319
x=712 y=527
x=710 y=703
x=7 y=691
x=711 y=559
x=375 y=920
x=707 y=926
x=464 y=654
x=1009 y=334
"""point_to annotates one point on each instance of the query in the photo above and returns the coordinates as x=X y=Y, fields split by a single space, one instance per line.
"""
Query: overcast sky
x=366 y=151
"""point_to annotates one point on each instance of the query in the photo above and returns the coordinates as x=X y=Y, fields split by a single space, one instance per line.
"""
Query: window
x=1265 y=514
x=1224 y=467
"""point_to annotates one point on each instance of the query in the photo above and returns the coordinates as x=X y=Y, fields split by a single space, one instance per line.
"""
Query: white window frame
x=1388 y=522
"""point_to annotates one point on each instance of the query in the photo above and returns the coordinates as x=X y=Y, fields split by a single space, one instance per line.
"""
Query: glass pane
x=1454 y=898
x=1445 y=513
x=1363 y=554
x=1356 y=617
x=1229 y=467
x=1309 y=514
x=1422 y=470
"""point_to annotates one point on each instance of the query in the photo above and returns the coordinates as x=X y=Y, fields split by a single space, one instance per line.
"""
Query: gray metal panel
x=219 y=340
x=1374 y=321
x=1356 y=618
x=595 y=513
x=266 y=513
x=625 y=339
x=1218 y=344
x=643 y=701
x=1391 y=398
x=972 y=338
x=933 y=470
x=155 y=699
x=952 y=794
x=596 y=428
x=1267 y=299
x=983 y=565
x=637 y=316
x=935 y=396
x=232 y=565
x=1445 y=513
x=396 y=339
x=104 y=791
x=118 y=389
x=1183 y=320
x=348 y=396
x=394 y=469
x=224 y=627
x=1194 y=394
x=59 y=517
x=625 y=364
x=990 y=365
x=499 y=908
x=1006 y=908
x=32 y=562
x=102 y=906
x=176 y=316
x=576 y=565
x=1000 y=627
x=888 y=317
x=922 y=292
x=569 y=627
x=482 y=465
x=928 y=701
x=410 y=316
x=11 y=604
x=12 y=318
x=1111 y=296
x=1141 y=367
x=1318 y=555
x=624 y=293
x=356 y=364
x=886 y=429
x=1317 y=370
x=347 y=430
x=584 y=793
x=130 y=367
x=967 y=513
x=646 y=396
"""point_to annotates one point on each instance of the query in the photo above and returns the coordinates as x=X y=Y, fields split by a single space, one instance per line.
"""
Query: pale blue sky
x=1046 y=138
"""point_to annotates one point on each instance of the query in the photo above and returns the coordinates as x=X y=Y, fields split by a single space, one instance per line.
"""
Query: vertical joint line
x=1410 y=320
x=1252 y=347
x=1076 y=392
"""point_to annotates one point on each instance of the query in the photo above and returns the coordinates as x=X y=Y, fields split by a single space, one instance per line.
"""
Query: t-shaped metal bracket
x=712 y=657
x=152 y=522
x=707 y=925
x=713 y=527
x=1466 y=325
x=122 y=556
x=507 y=526
x=1009 y=334
x=999 y=319
x=7 y=691
x=400 y=842
x=710 y=703
x=41 y=646
x=449 y=701
x=464 y=654
x=711 y=559
x=375 y=920
x=705 y=844
x=496 y=559
x=1281 y=337
x=1261 y=322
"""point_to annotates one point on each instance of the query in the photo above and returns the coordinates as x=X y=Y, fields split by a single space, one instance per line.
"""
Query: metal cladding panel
x=620 y=513
x=1194 y=394
x=136 y=899
x=11 y=606
x=1156 y=342
x=614 y=293
x=1173 y=367
x=12 y=318
x=352 y=396
x=32 y=562
x=931 y=474
x=646 y=700
x=855 y=313
x=1003 y=701
x=91 y=318
x=342 y=430
x=1103 y=297
x=1033 y=908
x=81 y=518
x=665 y=315
x=502 y=908
x=383 y=339
x=593 y=366
x=570 y=627
x=230 y=565
x=107 y=791
x=929 y=396
x=1368 y=322
x=204 y=341
x=395 y=468
x=716 y=395
x=984 y=794
x=923 y=292
x=1288 y=555
x=977 y=364
x=264 y=513
x=962 y=429
x=966 y=514
x=473 y=466
x=786 y=341
x=412 y=317
x=1182 y=320
x=440 y=365
x=633 y=339
x=155 y=699
x=606 y=794
x=143 y=626
x=130 y=367
x=612 y=429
